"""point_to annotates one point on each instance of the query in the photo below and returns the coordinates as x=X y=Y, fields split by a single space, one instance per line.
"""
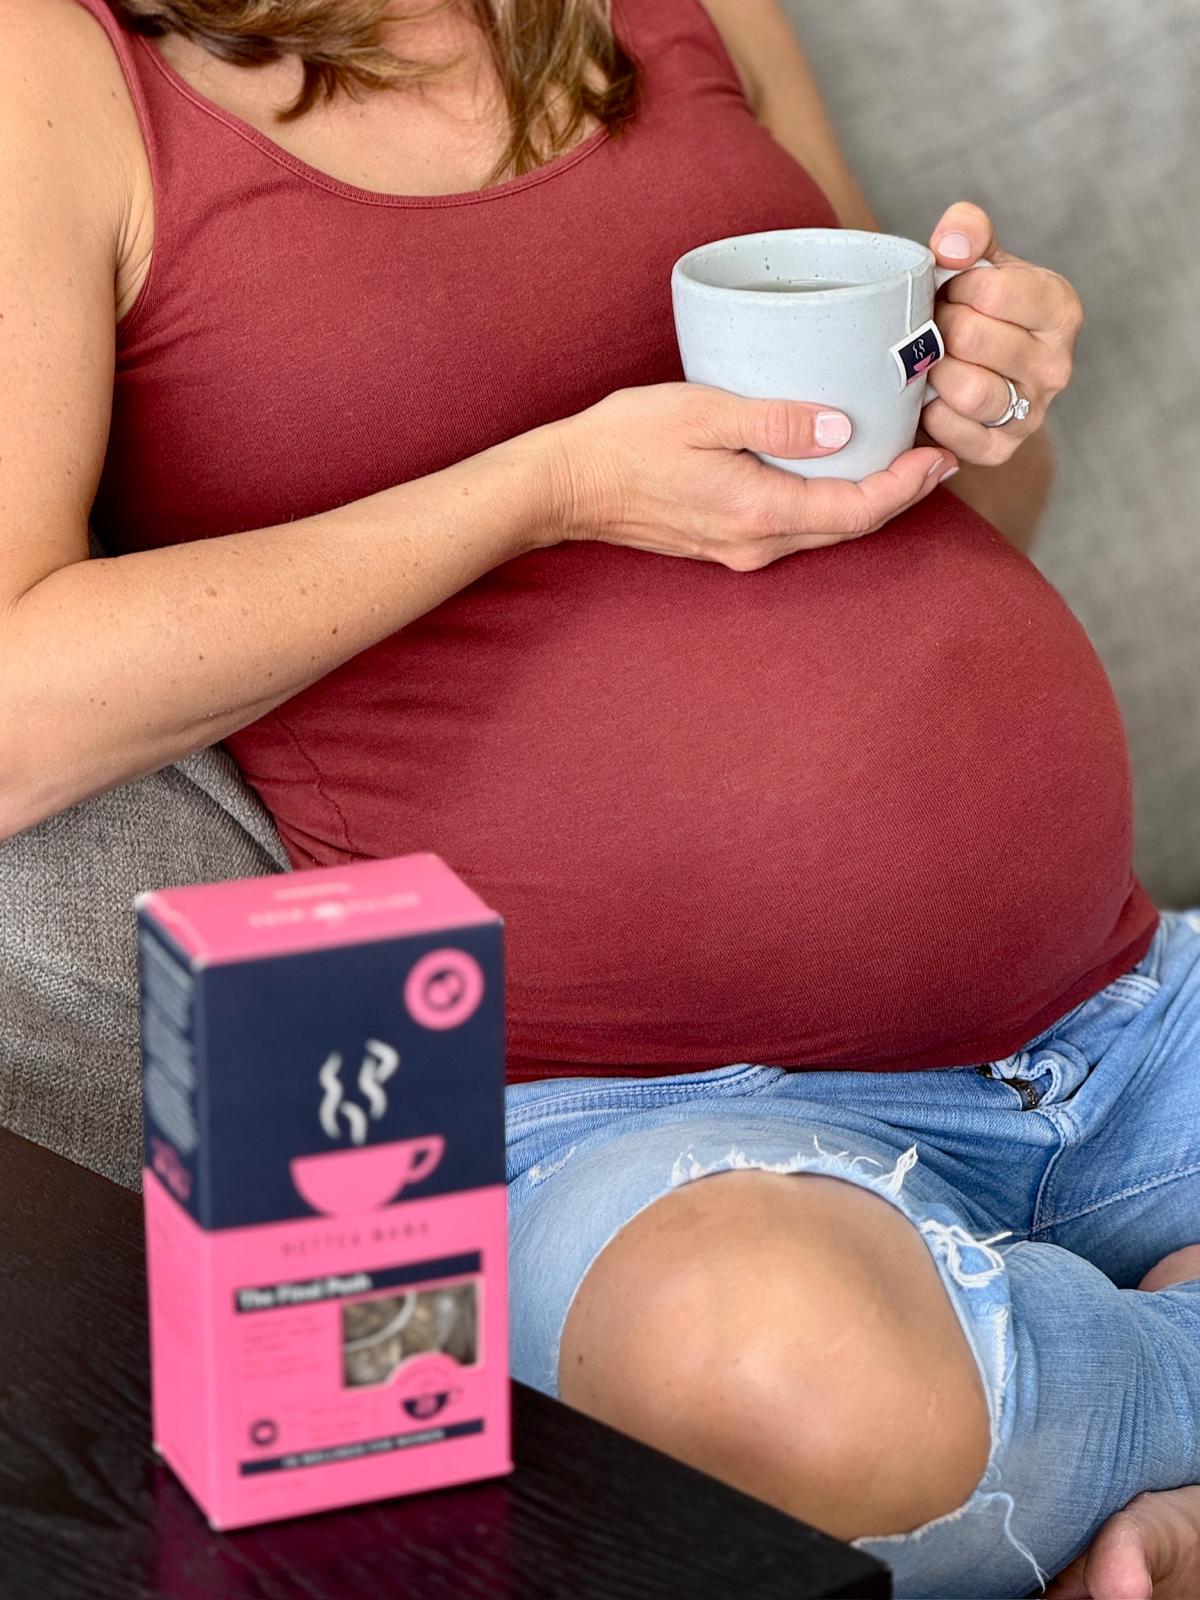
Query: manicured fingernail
x=949 y=473
x=955 y=245
x=832 y=429
x=938 y=465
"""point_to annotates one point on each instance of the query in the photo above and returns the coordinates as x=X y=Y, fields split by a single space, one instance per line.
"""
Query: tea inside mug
x=801 y=285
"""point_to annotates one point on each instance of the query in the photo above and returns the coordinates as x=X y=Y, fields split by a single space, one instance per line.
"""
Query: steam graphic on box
x=345 y=1181
x=323 y=1061
x=379 y=1062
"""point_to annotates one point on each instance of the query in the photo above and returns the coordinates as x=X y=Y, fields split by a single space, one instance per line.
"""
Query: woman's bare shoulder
x=65 y=107
x=57 y=44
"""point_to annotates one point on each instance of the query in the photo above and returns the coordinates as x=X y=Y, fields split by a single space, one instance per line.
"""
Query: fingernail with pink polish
x=832 y=429
x=949 y=473
x=955 y=245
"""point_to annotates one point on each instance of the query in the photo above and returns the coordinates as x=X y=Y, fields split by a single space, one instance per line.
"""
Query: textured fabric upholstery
x=69 y=1071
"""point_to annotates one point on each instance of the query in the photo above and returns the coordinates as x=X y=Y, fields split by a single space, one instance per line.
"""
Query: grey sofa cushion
x=69 y=1074
x=1078 y=126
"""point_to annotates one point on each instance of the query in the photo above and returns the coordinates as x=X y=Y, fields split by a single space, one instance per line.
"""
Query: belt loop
x=1015 y=1078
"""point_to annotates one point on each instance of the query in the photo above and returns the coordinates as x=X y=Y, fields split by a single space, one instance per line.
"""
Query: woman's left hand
x=1018 y=321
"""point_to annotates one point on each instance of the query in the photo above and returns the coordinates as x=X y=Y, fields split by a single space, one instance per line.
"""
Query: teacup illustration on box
x=342 y=1182
x=422 y=1406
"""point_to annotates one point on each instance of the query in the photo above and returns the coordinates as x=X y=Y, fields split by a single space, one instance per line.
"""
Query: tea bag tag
x=917 y=352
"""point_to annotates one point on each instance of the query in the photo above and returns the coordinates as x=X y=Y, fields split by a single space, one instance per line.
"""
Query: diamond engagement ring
x=1016 y=410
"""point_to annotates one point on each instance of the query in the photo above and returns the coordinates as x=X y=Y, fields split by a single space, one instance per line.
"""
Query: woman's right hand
x=669 y=468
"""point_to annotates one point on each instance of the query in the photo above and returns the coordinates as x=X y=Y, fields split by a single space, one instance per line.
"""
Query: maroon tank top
x=868 y=807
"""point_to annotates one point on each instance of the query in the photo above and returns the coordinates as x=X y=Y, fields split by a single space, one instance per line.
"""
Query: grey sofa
x=69 y=1067
x=1077 y=126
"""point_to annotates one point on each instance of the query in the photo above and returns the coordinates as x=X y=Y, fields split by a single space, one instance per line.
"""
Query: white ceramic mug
x=751 y=316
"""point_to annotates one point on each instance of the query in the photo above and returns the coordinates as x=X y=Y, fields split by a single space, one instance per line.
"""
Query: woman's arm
x=785 y=98
x=112 y=668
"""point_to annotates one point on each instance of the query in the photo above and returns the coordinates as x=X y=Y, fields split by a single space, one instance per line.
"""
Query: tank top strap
x=130 y=51
x=674 y=40
x=182 y=167
x=200 y=160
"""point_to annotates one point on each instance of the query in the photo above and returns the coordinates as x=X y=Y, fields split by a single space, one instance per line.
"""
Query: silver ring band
x=1016 y=410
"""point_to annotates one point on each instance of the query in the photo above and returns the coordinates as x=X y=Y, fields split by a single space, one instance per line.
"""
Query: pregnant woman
x=854 y=1079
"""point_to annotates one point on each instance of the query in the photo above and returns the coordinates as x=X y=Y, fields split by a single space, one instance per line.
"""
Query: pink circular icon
x=444 y=988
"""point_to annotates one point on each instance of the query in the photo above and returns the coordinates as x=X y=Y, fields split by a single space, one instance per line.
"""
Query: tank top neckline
x=354 y=192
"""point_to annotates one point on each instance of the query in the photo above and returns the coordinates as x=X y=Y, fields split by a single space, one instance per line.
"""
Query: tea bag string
x=908 y=308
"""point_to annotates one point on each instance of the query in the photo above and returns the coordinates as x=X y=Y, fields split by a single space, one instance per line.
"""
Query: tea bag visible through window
x=377 y=1335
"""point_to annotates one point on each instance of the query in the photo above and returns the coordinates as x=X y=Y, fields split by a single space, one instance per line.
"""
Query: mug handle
x=943 y=275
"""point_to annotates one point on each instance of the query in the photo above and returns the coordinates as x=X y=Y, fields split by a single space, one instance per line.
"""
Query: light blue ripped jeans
x=1044 y=1185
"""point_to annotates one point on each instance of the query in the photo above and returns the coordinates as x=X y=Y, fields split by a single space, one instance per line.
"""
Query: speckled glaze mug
x=830 y=315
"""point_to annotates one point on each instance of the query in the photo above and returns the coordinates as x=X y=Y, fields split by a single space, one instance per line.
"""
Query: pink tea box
x=323 y=1067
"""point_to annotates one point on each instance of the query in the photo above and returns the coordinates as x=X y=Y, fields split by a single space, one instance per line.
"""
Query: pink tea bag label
x=917 y=352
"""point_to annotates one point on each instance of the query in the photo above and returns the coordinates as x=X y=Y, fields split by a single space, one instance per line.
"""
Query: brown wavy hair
x=546 y=53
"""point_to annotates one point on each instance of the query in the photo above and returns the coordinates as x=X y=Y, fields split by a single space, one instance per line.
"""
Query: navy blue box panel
x=307 y=1054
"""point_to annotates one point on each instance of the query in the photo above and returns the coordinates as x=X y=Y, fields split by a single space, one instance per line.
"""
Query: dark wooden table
x=88 y=1513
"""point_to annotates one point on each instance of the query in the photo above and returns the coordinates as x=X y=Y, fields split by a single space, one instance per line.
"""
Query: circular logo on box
x=444 y=988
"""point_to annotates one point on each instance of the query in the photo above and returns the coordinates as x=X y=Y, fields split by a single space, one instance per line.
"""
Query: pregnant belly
x=869 y=806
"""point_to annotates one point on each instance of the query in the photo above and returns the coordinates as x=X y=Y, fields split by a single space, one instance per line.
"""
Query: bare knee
x=790 y=1335
x=1181 y=1266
